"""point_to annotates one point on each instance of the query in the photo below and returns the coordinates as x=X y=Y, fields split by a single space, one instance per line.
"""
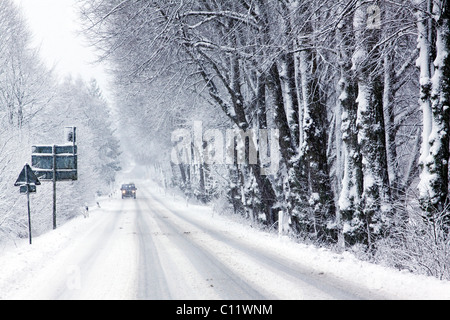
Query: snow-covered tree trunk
x=435 y=99
x=435 y=183
x=389 y=119
x=425 y=67
x=351 y=190
x=288 y=71
x=281 y=122
x=281 y=88
x=314 y=150
x=371 y=135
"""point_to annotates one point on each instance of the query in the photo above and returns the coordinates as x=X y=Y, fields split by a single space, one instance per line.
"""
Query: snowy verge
x=22 y=264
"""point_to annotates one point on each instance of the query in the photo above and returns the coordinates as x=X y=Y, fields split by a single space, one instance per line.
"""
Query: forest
x=35 y=106
x=355 y=93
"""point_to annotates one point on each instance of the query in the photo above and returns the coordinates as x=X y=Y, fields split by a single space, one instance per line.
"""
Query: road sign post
x=29 y=214
x=57 y=163
x=54 y=187
x=27 y=181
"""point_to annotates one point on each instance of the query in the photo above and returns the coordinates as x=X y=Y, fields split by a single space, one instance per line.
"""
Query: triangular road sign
x=27 y=176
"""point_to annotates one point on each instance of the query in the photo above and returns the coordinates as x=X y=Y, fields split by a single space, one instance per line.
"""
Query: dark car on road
x=128 y=191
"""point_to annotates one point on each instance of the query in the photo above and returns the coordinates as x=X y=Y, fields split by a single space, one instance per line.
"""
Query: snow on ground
x=23 y=265
x=346 y=267
x=46 y=269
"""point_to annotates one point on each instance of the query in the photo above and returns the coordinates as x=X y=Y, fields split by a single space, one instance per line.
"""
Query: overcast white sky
x=54 y=24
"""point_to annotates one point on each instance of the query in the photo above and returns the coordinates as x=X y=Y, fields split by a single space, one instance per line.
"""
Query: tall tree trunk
x=434 y=184
x=425 y=67
x=371 y=134
x=288 y=74
x=389 y=119
x=314 y=150
x=352 y=181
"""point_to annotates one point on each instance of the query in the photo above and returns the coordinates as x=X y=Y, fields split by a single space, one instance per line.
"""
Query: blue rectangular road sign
x=63 y=149
x=64 y=157
x=61 y=175
x=63 y=161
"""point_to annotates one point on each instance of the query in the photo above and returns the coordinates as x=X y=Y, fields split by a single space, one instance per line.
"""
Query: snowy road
x=182 y=258
x=156 y=247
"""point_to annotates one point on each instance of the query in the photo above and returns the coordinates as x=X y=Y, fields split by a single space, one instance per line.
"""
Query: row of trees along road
x=357 y=89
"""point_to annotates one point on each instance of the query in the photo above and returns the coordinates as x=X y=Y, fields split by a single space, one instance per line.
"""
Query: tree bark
x=376 y=206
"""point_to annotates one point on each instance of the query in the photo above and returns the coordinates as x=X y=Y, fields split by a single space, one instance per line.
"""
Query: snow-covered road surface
x=157 y=247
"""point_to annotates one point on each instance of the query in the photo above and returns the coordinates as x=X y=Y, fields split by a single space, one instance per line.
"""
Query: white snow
x=36 y=271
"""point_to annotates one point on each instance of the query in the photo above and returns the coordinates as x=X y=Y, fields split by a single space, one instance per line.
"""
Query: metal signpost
x=57 y=163
x=27 y=181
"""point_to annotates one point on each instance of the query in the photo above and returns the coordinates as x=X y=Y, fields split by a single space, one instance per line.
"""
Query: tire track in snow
x=152 y=284
x=212 y=275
